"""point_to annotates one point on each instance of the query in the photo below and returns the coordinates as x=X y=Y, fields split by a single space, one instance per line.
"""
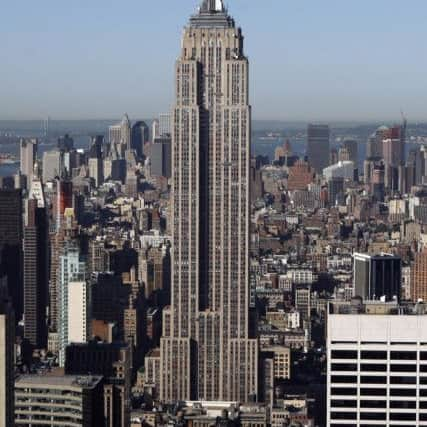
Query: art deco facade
x=206 y=350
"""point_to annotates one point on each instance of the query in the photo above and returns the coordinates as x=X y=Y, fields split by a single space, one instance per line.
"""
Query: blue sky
x=310 y=59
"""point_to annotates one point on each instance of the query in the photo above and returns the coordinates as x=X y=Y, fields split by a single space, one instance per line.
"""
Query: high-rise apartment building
x=377 y=366
x=72 y=268
x=377 y=276
x=79 y=313
x=318 y=146
x=206 y=349
x=11 y=233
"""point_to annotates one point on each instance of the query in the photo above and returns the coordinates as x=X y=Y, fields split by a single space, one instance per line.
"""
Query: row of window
x=380 y=404
x=376 y=367
x=402 y=392
x=379 y=355
x=378 y=416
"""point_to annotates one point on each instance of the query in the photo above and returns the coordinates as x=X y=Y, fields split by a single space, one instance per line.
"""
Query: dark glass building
x=377 y=276
x=11 y=246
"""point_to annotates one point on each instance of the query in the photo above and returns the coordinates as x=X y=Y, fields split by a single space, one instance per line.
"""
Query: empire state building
x=206 y=350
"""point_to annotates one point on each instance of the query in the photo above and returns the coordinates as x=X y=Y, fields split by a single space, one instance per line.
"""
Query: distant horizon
x=333 y=61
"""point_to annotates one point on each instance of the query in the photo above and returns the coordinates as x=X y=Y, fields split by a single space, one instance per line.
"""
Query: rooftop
x=62 y=381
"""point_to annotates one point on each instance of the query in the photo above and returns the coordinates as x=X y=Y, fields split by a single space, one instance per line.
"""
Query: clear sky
x=310 y=59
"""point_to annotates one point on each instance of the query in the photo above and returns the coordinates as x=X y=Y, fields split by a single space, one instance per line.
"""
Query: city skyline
x=326 y=65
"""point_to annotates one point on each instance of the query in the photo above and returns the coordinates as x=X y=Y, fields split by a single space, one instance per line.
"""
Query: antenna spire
x=210 y=6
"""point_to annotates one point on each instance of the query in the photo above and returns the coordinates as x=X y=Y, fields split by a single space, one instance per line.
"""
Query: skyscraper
x=36 y=273
x=11 y=246
x=7 y=357
x=377 y=276
x=419 y=277
x=71 y=269
x=318 y=146
x=376 y=366
x=206 y=349
x=28 y=149
x=140 y=137
x=165 y=125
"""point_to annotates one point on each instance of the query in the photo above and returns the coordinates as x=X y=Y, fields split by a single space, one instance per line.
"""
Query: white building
x=340 y=170
x=78 y=312
x=52 y=165
x=377 y=367
x=71 y=269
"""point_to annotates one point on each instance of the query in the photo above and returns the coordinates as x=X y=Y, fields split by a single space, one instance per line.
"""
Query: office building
x=96 y=171
x=336 y=190
x=140 y=137
x=73 y=401
x=121 y=134
x=206 y=349
x=114 y=363
x=342 y=169
x=281 y=356
x=377 y=276
x=11 y=234
x=318 y=146
x=377 y=366
x=72 y=268
x=65 y=143
x=165 y=125
x=52 y=165
x=419 y=277
x=352 y=147
x=7 y=357
x=28 y=150
x=161 y=158
x=36 y=271
x=300 y=176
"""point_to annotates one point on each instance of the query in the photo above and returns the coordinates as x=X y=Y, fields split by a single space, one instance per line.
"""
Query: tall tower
x=206 y=350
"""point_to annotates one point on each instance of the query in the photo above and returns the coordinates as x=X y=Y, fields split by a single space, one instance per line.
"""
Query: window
x=403 y=380
x=373 y=404
x=373 y=380
x=344 y=391
x=397 y=404
x=377 y=355
x=403 y=368
x=403 y=355
x=373 y=416
x=343 y=379
x=344 y=367
x=343 y=415
x=344 y=403
x=373 y=367
x=344 y=354
x=403 y=392
x=373 y=392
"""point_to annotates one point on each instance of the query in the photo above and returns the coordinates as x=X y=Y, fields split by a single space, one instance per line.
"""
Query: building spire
x=209 y=6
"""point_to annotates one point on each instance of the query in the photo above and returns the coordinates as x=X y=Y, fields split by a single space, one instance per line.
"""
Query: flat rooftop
x=58 y=381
